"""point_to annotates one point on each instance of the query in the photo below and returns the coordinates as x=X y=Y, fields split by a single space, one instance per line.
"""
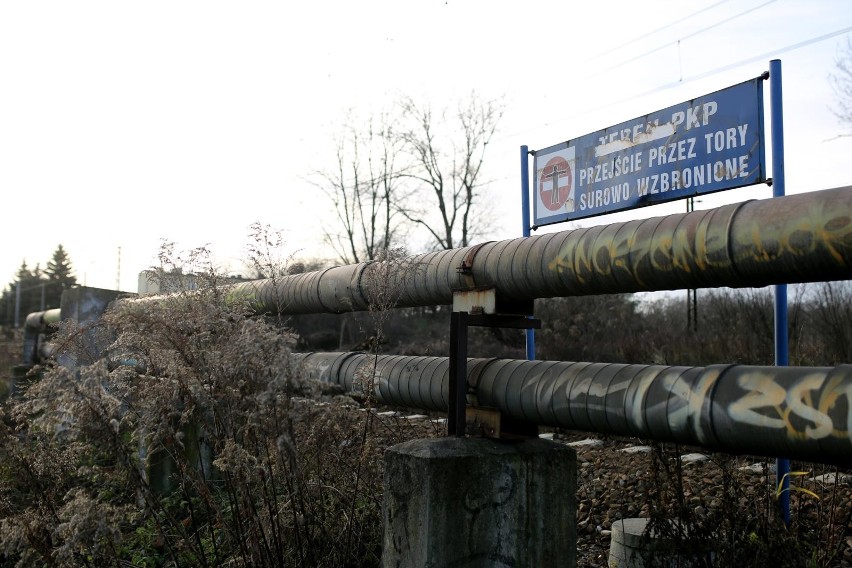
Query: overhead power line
x=762 y=57
x=676 y=42
x=656 y=31
x=768 y=54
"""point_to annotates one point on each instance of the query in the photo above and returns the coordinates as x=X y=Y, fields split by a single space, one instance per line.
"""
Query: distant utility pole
x=118 y=272
x=691 y=293
x=18 y=304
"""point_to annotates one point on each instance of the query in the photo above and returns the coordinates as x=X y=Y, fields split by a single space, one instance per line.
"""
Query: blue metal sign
x=708 y=144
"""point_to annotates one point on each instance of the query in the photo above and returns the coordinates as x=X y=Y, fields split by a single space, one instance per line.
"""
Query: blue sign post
x=708 y=144
x=711 y=143
x=782 y=356
x=525 y=229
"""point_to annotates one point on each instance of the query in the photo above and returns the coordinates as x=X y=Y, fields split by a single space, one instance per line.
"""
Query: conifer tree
x=29 y=282
x=59 y=275
x=59 y=268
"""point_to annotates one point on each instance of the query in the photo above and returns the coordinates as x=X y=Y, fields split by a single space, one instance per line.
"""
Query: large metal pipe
x=35 y=326
x=799 y=238
x=803 y=413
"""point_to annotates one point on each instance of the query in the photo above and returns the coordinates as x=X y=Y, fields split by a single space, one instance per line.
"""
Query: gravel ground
x=729 y=502
x=719 y=495
x=726 y=500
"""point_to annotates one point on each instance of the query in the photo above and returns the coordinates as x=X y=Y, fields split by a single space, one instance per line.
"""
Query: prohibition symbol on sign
x=555 y=183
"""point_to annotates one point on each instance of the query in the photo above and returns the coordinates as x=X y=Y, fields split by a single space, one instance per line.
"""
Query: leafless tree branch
x=841 y=82
x=362 y=188
x=448 y=169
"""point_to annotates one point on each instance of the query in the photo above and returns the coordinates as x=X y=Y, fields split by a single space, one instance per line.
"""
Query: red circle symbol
x=554 y=183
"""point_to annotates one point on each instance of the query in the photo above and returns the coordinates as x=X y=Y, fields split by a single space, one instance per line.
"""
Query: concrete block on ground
x=478 y=502
x=634 y=545
x=628 y=543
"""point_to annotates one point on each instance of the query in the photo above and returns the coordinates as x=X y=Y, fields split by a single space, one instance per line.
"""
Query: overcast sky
x=125 y=123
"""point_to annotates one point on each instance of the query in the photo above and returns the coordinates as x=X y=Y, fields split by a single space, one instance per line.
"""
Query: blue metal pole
x=525 y=227
x=525 y=191
x=782 y=358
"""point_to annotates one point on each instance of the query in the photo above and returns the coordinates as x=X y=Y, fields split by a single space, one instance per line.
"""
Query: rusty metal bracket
x=466 y=266
x=458 y=385
x=467 y=262
x=484 y=300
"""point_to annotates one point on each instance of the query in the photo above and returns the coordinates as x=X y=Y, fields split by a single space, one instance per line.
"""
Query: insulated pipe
x=803 y=413
x=798 y=238
x=35 y=325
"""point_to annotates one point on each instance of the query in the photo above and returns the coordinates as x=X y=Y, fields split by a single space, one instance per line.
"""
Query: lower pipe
x=803 y=413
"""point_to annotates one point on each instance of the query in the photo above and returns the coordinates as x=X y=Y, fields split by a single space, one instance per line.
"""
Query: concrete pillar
x=476 y=502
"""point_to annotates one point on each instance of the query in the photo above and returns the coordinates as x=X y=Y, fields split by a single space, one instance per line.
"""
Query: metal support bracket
x=458 y=387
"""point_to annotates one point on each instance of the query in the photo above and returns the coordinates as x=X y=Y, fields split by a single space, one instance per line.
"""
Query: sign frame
x=711 y=143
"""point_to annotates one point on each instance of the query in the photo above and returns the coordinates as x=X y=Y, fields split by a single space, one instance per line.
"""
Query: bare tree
x=447 y=151
x=841 y=82
x=362 y=188
x=832 y=320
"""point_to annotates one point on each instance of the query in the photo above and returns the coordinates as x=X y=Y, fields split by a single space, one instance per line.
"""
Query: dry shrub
x=731 y=516
x=194 y=441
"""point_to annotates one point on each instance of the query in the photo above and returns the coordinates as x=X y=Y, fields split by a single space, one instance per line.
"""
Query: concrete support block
x=634 y=545
x=629 y=545
x=476 y=502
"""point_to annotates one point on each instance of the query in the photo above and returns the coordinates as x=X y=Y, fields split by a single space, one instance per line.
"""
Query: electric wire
x=683 y=80
x=756 y=58
x=676 y=42
x=444 y=120
x=687 y=79
x=658 y=30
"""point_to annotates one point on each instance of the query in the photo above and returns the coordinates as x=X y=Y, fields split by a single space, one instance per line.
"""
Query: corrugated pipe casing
x=802 y=413
x=799 y=238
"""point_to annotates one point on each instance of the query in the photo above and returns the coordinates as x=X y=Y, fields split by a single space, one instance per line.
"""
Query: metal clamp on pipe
x=479 y=307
